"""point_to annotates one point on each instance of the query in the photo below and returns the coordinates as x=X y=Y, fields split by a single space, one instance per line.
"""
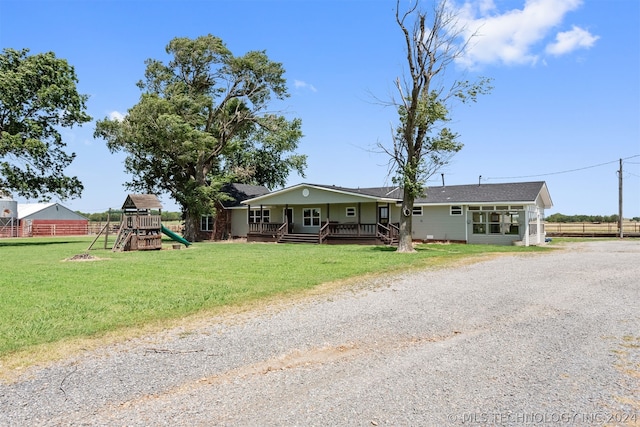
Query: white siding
x=436 y=221
x=239 y=224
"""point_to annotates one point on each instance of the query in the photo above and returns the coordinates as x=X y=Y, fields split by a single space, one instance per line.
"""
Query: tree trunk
x=405 y=239
x=191 y=226
x=222 y=224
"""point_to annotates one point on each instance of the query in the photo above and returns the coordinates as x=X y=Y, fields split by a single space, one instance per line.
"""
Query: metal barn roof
x=46 y=211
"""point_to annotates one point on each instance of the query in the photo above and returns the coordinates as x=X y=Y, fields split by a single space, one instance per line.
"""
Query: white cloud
x=299 y=84
x=569 y=41
x=514 y=37
x=116 y=115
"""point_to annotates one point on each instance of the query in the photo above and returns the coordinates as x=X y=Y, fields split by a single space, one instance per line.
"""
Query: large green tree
x=38 y=97
x=203 y=121
x=422 y=143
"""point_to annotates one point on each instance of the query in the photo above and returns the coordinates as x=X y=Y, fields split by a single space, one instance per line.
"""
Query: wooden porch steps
x=389 y=241
x=299 y=238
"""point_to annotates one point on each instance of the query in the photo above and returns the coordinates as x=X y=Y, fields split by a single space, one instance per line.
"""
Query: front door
x=383 y=215
x=288 y=216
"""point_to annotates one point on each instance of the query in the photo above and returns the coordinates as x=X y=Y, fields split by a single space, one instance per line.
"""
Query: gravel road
x=536 y=339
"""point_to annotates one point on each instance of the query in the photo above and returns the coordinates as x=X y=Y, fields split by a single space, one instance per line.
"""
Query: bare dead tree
x=422 y=144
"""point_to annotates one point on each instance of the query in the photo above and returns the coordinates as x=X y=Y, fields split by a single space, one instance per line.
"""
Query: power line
x=561 y=172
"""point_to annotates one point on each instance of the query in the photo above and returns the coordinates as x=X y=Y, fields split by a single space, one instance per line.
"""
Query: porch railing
x=388 y=232
x=266 y=227
x=324 y=232
x=352 y=230
x=282 y=230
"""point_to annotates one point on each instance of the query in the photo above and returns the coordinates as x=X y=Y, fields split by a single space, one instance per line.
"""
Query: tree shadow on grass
x=384 y=248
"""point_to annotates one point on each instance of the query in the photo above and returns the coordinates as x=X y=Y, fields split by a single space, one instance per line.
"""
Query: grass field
x=46 y=299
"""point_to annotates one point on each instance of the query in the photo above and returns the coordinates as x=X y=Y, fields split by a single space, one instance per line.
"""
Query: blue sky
x=565 y=106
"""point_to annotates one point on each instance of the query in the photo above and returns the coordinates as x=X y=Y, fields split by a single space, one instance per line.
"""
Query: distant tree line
x=115 y=216
x=558 y=217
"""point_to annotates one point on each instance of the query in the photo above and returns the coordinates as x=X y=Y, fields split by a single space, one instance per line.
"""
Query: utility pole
x=620 y=200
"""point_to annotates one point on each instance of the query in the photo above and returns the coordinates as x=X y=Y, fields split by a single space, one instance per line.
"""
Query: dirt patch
x=83 y=257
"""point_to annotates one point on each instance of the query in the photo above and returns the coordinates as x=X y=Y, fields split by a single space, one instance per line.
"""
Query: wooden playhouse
x=140 y=227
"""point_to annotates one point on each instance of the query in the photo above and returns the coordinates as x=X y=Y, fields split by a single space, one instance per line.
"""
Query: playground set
x=140 y=228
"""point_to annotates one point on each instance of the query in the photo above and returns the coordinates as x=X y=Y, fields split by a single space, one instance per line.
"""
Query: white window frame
x=509 y=223
x=494 y=223
x=479 y=221
x=311 y=217
x=455 y=210
x=260 y=214
x=210 y=220
x=417 y=211
x=350 y=212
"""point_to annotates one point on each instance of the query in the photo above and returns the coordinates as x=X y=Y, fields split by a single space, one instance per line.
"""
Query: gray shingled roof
x=378 y=192
x=240 y=192
x=483 y=193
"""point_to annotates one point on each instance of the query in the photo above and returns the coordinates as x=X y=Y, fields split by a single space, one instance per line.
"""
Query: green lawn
x=46 y=299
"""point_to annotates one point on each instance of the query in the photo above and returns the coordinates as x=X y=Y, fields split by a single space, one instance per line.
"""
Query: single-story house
x=50 y=219
x=485 y=213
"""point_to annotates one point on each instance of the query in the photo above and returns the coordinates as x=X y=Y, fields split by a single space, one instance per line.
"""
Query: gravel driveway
x=536 y=339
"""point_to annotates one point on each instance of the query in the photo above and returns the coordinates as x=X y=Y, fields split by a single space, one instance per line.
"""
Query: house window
x=351 y=212
x=496 y=223
x=479 y=223
x=257 y=215
x=417 y=211
x=512 y=223
x=206 y=222
x=455 y=210
x=311 y=217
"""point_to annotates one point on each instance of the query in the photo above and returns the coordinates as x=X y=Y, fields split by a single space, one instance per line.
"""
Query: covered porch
x=322 y=215
x=329 y=233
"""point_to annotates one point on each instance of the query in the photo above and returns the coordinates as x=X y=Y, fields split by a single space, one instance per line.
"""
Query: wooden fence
x=629 y=228
x=45 y=230
x=52 y=230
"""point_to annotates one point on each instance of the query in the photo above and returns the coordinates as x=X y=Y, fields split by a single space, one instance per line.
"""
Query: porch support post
x=466 y=223
x=261 y=222
x=526 y=226
x=539 y=226
x=359 y=218
x=389 y=220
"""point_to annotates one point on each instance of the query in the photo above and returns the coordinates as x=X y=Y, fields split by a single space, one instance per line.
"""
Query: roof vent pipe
x=442 y=179
x=479 y=179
